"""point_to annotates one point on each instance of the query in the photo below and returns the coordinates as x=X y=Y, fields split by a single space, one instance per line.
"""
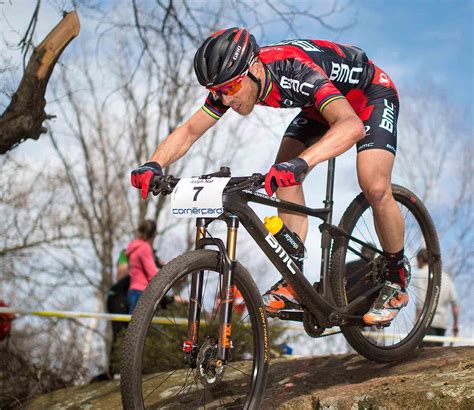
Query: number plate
x=198 y=197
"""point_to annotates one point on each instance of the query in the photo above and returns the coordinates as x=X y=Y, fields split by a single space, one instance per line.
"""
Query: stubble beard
x=247 y=107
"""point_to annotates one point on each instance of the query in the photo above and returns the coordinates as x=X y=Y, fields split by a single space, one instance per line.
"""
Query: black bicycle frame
x=319 y=302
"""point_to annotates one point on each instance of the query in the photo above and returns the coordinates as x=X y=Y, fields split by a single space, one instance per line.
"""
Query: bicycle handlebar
x=165 y=184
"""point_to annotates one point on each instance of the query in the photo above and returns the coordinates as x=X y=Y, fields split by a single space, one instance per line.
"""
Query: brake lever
x=155 y=190
x=155 y=185
x=258 y=182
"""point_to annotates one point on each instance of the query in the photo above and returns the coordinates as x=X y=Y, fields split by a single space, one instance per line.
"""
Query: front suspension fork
x=195 y=301
x=226 y=297
x=227 y=291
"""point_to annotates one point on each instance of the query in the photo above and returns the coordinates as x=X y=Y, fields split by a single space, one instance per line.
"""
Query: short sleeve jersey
x=306 y=73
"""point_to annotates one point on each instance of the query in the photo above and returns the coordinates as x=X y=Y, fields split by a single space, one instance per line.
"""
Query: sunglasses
x=230 y=87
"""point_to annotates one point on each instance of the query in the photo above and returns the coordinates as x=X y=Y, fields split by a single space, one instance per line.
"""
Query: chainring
x=311 y=325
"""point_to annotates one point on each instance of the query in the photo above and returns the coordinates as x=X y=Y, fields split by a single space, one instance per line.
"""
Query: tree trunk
x=24 y=117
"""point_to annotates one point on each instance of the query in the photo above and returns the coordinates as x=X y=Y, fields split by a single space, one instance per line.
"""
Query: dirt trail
x=435 y=378
x=431 y=378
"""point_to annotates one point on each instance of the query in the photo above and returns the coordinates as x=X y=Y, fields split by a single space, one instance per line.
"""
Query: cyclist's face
x=243 y=101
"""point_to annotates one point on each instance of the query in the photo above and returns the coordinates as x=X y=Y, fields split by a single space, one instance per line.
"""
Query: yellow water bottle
x=288 y=240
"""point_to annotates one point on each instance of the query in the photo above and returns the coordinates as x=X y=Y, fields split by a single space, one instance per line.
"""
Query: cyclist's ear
x=256 y=67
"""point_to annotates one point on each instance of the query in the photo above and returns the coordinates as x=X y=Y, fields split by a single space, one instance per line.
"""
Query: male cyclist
x=345 y=100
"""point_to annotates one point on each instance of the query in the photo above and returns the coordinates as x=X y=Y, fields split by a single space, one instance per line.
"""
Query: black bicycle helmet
x=224 y=55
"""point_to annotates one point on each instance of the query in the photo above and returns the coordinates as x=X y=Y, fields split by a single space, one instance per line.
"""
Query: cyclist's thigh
x=381 y=123
x=304 y=130
x=376 y=152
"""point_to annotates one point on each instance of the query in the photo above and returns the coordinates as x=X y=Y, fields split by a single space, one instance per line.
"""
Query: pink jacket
x=141 y=264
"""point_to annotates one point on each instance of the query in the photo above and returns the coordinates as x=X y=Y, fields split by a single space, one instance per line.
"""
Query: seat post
x=328 y=202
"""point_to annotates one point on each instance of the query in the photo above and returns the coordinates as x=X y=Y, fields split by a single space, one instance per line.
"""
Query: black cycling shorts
x=377 y=106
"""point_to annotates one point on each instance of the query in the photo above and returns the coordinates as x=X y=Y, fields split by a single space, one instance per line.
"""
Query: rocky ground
x=434 y=378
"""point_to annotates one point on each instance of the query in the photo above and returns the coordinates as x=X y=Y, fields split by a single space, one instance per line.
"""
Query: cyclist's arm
x=346 y=129
x=180 y=140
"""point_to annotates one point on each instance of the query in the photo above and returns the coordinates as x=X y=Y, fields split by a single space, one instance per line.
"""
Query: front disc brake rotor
x=210 y=369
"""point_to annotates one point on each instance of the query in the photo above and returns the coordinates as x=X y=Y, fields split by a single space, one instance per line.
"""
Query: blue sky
x=416 y=42
x=428 y=41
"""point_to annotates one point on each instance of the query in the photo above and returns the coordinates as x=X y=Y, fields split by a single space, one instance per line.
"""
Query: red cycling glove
x=142 y=175
x=285 y=174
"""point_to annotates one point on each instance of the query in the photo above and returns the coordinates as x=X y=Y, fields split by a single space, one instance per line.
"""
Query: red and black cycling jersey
x=312 y=73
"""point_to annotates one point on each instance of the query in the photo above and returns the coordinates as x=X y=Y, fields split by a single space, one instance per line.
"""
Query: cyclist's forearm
x=175 y=146
x=337 y=140
x=180 y=140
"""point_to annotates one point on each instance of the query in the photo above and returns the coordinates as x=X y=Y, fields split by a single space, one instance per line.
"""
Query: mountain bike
x=212 y=348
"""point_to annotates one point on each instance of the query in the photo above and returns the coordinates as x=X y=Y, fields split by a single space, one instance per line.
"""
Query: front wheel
x=154 y=370
x=352 y=275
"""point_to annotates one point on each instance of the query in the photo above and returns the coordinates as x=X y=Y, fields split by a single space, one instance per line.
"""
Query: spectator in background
x=142 y=266
x=122 y=266
x=117 y=301
x=117 y=304
x=117 y=295
x=5 y=322
x=447 y=297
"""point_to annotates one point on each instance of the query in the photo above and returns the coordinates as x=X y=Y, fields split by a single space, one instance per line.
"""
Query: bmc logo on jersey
x=342 y=73
x=295 y=85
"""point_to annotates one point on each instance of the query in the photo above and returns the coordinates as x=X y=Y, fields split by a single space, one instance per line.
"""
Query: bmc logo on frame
x=271 y=240
x=292 y=84
x=342 y=73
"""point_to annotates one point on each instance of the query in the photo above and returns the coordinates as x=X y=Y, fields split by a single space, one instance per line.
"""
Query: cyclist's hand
x=142 y=175
x=285 y=174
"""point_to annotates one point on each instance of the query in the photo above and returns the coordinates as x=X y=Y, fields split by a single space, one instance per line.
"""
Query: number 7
x=197 y=189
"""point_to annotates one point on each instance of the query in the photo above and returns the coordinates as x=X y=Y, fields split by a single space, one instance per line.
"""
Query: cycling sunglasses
x=230 y=87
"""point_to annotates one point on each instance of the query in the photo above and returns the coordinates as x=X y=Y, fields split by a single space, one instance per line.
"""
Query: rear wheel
x=352 y=275
x=154 y=373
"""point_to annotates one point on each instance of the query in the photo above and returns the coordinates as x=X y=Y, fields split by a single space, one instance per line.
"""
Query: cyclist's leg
x=304 y=130
x=375 y=158
x=374 y=170
x=291 y=148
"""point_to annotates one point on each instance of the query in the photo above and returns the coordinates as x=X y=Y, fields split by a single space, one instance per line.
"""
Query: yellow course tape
x=184 y=321
x=90 y=315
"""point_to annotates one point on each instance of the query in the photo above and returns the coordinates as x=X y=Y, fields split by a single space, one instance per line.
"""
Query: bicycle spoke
x=157 y=387
x=241 y=371
x=372 y=240
x=356 y=282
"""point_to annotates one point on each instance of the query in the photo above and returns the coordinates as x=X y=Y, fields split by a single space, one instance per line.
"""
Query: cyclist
x=345 y=100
